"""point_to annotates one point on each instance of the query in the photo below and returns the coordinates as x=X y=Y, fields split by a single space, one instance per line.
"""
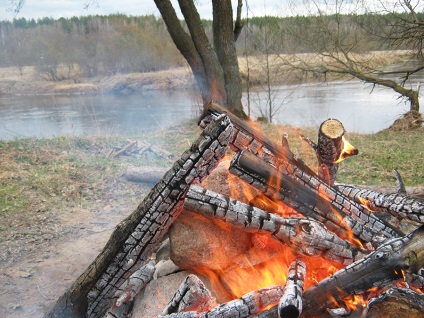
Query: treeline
x=106 y=45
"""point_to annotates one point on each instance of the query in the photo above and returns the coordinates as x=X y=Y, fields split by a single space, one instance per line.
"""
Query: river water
x=87 y=115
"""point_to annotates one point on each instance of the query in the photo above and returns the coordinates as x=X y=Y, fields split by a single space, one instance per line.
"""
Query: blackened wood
x=192 y=295
x=131 y=243
x=305 y=237
x=132 y=286
x=290 y=305
x=397 y=302
x=247 y=138
x=246 y=306
x=378 y=269
x=327 y=205
x=400 y=205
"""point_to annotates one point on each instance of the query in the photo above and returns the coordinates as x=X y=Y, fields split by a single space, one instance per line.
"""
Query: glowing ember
x=348 y=150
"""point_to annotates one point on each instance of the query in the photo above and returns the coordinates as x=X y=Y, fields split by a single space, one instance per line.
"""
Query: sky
x=69 y=8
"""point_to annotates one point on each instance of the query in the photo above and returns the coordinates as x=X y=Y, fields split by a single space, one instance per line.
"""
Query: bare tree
x=215 y=67
x=339 y=35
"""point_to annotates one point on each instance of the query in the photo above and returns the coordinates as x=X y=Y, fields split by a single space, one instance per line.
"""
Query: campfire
x=299 y=245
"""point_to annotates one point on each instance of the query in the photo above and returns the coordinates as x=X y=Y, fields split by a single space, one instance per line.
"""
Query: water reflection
x=302 y=105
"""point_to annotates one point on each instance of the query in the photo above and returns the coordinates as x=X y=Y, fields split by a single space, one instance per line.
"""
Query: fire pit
x=299 y=245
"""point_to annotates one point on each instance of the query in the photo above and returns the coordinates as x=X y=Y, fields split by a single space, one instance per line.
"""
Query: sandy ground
x=39 y=268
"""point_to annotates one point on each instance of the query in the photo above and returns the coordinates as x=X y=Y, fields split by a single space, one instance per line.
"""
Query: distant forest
x=107 y=45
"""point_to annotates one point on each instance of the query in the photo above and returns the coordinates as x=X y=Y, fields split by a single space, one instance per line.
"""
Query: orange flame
x=366 y=203
x=348 y=150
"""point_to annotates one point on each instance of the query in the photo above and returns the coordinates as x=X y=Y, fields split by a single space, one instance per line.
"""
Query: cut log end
x=332 y=128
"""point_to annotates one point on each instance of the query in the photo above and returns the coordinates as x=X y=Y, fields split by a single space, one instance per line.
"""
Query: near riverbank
x=60 y=199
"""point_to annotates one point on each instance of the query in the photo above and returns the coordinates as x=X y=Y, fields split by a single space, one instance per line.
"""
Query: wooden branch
x=378 y=269
x=131 y=287
x=340 y=214
x=192 y=295
x=401 y=206
x=123 y=149
x=290 y=305
x=246 y=306
x=306 y=237
x=133 y=240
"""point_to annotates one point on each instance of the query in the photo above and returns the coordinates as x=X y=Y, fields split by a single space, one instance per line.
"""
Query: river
x=88 y=115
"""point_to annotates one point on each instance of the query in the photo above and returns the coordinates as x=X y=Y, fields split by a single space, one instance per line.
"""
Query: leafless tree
x=215 y=67
x=337 y=35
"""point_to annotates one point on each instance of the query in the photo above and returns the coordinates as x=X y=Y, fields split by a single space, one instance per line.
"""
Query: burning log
x=330 y=150
x=246 y=306
x=353 y=215
x=192 y=295
x=400 y=205
x=133 y=240
x=337 y=212
x=378 y=269
x=304 y=236
x=290 y=305
x=246 y=138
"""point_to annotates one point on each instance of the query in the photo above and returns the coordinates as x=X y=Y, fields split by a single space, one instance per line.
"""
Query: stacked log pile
x=335 y=225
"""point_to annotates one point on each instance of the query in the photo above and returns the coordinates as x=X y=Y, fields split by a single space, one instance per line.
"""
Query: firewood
x=329 y=149
x=400 y=205
x=380 y=268
x=338 y=213
x=306 y=237
x=192 y=295
x=395 y=302
x=131 y=287
x=246 y=306
x=123 y=149
x=246 y=138
x=162 y=152
x=145 y=174
x=133 y=240
x=290 y=305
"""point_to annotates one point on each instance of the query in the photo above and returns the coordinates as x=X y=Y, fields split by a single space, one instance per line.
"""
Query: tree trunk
x=215 y=69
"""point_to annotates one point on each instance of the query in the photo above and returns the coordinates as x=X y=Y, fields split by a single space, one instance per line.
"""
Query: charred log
x=246 y=306
x=132 y=242
x=131 y=287
x=378 y=269
x=192 y=295
x=290 y=305
x=337 y=212
x=400 y=205
x=396 y=301
x=306 y=237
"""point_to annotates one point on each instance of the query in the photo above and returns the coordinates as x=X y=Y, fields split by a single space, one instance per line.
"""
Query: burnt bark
x=305 y=237
x=290 y=305
x=378 y=269
x=133 y=240
x=400 y=205
x=246 y=306
x=325 y=204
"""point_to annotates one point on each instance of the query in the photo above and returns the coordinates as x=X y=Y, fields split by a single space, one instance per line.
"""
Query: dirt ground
x=38 y=266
